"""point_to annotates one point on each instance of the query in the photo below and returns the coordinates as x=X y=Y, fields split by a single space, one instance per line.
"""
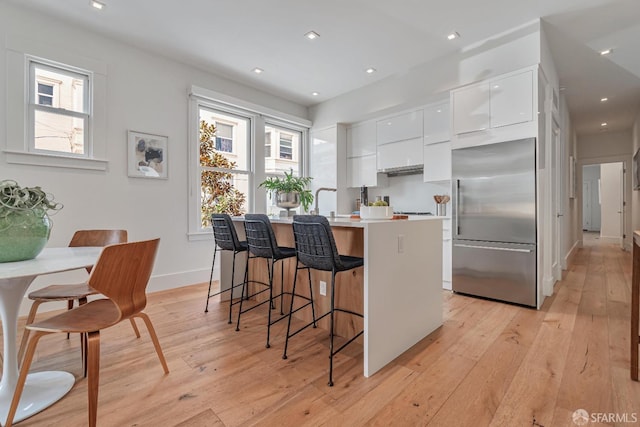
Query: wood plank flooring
x=490 y=364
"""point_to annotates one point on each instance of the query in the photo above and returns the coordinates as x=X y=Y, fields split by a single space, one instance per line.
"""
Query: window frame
x=32 y=106
x=256 y=202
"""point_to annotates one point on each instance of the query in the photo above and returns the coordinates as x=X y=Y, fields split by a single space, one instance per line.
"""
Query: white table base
x=41 y=390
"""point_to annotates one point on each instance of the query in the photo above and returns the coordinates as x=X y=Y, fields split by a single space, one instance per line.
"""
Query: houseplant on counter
x=25 y=225
x=290 y=191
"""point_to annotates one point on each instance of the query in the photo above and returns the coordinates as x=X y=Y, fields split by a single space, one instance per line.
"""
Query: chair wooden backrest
x=122 y=273
x=98 y=237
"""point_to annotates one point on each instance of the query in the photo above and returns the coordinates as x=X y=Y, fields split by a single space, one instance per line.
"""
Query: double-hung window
x=59 y=109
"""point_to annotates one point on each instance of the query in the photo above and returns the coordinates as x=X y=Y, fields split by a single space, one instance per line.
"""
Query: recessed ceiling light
x=97 y=5
x=312 y=35
x=315 y=93
x=603 y=124
x=370 y=70
x=258 y=70
x=453 y=36
x=606 y=51
x=604 y=99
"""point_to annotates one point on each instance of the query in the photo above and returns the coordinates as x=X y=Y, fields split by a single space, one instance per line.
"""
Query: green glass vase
x=23 y=234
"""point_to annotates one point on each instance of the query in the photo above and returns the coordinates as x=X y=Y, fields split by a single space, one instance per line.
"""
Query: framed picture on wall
x=147 y=155
x=636 y=170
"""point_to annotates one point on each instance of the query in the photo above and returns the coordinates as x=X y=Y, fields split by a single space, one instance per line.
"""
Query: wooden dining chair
x=73 y=292
x=121 y=274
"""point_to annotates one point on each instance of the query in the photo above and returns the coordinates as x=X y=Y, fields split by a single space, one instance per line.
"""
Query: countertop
x=347 y=221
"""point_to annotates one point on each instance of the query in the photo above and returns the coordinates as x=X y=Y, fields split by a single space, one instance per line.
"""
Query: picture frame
x=636 y=170
x=147 y=155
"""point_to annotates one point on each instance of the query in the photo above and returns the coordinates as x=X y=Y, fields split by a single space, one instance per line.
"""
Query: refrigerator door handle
x=459 y=245
x=457 y=206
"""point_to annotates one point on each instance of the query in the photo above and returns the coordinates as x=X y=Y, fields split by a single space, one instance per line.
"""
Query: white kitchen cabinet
x=471 y=108
x=436 y=123
x=512 y=99
x=437 y=161
x=401 y=154
x=362 y=171
x=361 y=139
x=400 y=128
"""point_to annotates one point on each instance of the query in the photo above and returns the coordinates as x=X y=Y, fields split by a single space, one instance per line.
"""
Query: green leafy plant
x=291 y=184
x=16 y=200
x=217 y=192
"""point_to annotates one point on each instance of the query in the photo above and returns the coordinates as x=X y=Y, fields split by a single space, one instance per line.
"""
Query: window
x=286 y=147
x=283 y=158
x=45 y=94
x=267 y=144
x=224 y=141
x=224 y=173
x=59 y=109
x=224 y=137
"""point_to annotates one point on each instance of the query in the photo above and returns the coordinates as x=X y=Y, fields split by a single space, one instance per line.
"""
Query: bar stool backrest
x=260 y=236
x=315 y=244
x=224 y=232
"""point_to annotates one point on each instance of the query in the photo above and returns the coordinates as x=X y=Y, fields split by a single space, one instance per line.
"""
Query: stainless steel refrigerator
x=494 y=221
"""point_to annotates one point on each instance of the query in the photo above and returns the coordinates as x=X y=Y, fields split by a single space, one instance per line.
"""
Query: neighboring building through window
x=286 y=146
x=59 y=108
x=224 y=137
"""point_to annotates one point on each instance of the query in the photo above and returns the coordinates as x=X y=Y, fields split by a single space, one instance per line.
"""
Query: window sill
x=202 y=235
x=38 y=159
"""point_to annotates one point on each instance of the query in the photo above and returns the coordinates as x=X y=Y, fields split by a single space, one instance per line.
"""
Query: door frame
x=625 y=159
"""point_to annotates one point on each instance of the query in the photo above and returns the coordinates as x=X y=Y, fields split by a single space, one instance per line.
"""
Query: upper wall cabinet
x=436 y=123
x=512 y=100
x=471 y=108
x=361 y=139
x=400 y=128
x=497 y=109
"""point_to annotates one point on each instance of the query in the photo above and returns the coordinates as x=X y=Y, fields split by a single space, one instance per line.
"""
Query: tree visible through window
x=218 y=193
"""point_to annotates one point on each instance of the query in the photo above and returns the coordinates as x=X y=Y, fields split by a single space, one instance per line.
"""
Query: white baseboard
x=611 y=239
x=547 y=283
x=566 y=261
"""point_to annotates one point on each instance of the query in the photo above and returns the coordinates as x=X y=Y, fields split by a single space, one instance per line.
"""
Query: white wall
x=411 y=194
x=635 y=195
x=147 y=93
x=571 y=221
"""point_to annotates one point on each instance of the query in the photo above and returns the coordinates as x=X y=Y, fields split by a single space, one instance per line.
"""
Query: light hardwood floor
x=489 y=364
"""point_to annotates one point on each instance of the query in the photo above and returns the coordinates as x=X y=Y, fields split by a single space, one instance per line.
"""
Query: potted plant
x=290 y=191
x=25 y=225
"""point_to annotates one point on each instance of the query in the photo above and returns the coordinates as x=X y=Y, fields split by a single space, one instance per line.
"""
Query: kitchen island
x=399 y=290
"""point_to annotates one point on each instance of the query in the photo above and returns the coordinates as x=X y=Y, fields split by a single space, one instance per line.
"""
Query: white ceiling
x=232 y=37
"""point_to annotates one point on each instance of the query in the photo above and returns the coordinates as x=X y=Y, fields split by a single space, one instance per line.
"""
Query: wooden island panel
x=349 y=284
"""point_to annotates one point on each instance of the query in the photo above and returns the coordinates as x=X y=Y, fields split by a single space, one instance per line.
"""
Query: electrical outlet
x=323 y=288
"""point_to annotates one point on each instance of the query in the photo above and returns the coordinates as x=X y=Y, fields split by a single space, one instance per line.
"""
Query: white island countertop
x=347 y=221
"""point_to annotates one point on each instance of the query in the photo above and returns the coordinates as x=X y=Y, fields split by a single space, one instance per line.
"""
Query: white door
x=611 y=202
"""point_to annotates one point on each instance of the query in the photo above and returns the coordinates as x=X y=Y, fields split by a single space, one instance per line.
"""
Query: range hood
x=403 y=170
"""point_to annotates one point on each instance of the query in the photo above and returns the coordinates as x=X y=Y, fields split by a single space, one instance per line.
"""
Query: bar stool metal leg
x=206 y=308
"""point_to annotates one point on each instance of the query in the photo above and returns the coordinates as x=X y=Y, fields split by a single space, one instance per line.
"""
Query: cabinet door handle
x=493 y=248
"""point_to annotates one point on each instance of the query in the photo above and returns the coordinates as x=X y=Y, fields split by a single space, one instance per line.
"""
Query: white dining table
x=42 y=389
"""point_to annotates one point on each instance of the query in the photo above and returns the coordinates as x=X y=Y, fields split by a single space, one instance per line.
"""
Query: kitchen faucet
x=315 y=210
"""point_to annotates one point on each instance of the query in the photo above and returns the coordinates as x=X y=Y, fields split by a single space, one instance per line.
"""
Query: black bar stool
x=226 y=239
x=262 y=244
x=316 y=248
